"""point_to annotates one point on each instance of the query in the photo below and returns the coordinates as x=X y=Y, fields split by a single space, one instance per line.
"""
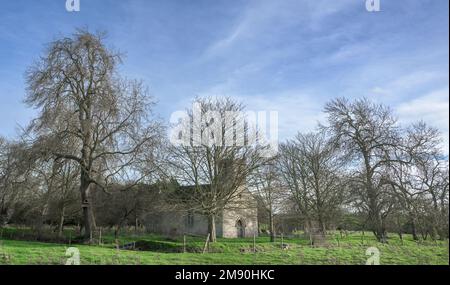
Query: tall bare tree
x=88 y=114
x=216 y=158
x=269 y=190
x=415 y=174
x=369 y=134
x=290 y=167
x=311 y=167
x=430 y=174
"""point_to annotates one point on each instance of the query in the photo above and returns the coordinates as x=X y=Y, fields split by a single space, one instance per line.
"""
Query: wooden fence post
x=254 y=243
x=206 y=244
x=100 y=237
x=184 y=243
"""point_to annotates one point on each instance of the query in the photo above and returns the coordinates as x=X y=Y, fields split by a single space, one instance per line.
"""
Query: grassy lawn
x=161 y=251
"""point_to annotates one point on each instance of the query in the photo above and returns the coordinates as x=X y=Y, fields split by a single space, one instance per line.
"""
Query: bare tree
x=290 y=167
x=311 y=167
x=269 y=190
x=369 y=134
x=67 y=177
x=44 y=173
x=215 y=169
x=126 y=206
x=417 y=177
x=13 y=178
x=404 y=175
x=89 y=115
x=430 y=174
x=408 y=197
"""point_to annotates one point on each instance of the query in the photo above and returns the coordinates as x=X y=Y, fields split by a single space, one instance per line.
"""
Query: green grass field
x=163 y=251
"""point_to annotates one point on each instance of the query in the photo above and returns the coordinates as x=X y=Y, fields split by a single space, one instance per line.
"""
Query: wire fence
x=296 y=248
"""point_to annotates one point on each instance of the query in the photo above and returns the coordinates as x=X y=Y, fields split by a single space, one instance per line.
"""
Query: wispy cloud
x=290 y=56
x=261 y=20
x=432 y=108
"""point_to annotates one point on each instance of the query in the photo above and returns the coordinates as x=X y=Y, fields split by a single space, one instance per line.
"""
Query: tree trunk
x=39 y=225
x=377 y=230
x=84 y=188
x=61 y=222
x=380 y=234
x=309 y=227
x=376 y=222
x=92 y=214
x=414 y=229
x=375 y=219
x=322 y=228
x=212 y=228
x=271 y=227
x=116 y=231
x=4 y=217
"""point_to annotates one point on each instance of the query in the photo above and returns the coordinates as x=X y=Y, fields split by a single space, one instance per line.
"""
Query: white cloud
x=379 y=91
x=298 y=110
x=407 y=85
x=432 y=108
x=415 y=79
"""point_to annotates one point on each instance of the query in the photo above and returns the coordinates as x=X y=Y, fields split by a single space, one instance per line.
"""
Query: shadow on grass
x=164 y=247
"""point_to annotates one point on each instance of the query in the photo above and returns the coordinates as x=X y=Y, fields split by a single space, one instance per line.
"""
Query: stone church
x=239 y=219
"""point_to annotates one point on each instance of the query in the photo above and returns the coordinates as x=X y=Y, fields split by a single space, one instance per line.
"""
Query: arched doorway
x=240 y=228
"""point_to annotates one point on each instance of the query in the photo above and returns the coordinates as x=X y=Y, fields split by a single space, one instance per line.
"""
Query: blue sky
x=290 y=56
